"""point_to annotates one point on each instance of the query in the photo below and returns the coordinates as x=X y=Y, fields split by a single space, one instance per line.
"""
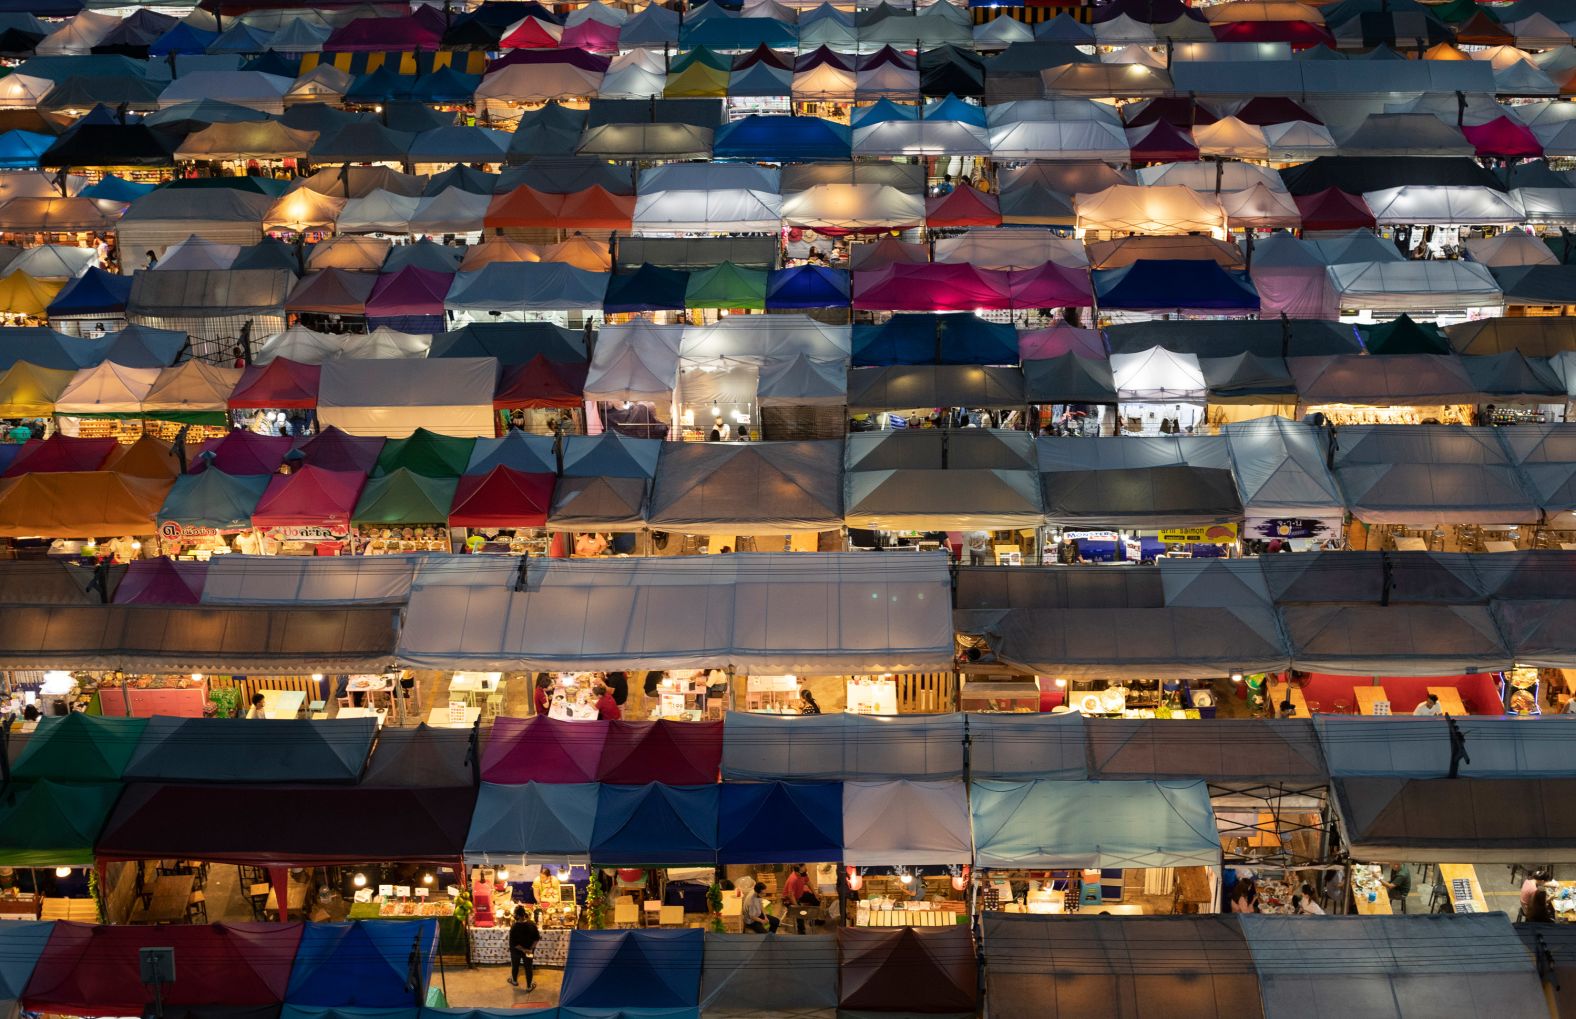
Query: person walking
x=523 y=936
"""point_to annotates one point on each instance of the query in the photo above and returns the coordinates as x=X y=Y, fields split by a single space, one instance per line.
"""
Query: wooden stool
x=197 y=908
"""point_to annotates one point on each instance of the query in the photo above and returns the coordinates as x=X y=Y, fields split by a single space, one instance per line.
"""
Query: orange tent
x=148 y=457
x=523 y=207
x=596 y=208
x=80 y=504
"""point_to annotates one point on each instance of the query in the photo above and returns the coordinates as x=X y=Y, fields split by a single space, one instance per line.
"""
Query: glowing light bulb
x=360 y=880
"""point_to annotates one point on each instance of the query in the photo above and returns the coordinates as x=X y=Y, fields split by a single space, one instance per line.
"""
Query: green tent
x=426 y=453
x=1459 y=10
x=702 y=55
x=405 y=497
x=53 y=824
x=80 y=748
x=1404 y=336
x=726 y=285
x=214 y=499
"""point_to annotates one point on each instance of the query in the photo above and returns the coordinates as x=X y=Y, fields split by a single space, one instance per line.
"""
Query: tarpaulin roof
x=544 y=749
x=235 y=751
x=657 y=968
x=744 y=975
x=1409 y=380
x=1038 y=966
x=1284 y=751
x=80 y=748
x=93 y=970
x=959 y=338
x=1160 y=284
x=808 y=621
x=426 y=756
x=280 y=384
x=61 y=452
x=402 y=497
x=163 y=581
x=1050 y=823
x=1460 y=819
x=930 y=478
x=364 y=963
x=242 y=452
x=842 y=747
x=924 y=386
x=29 y=390
x=907 y=970
x=904 y=822
x=1432 y=472
x=353 y=825
x=748 y=487
x=214 y=499
x=674 y=753
x=780 y=822
x=21 y=944
x=654 y=823
x=427 y=453
x=502 y=497
x=335 y=450
x=53 y=824
x=553 y=822
x=381 y=397
x=1280 y=469
x=311 y=496
x=79 y=504
x=1141 y=497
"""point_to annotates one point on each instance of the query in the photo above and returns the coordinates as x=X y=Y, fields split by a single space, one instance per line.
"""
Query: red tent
x=336 y=450
x=242 y=452
x=543 y=749
x=503 y=497
x=1300 y=35
x=162 y=581
x=596 y=208
x=1051 y=286
x=93 y=970
x=531 y=33
x=60 y=453
x=1334 y=209
x=523 y=206
x=1482 y=30
x=675 y=753
x=540 y=383
x=962 y=206
x=1160 y=142
x=310 y=497
x=1177 y=111
x=1504 y=138
x=281 y=384
x=931 y=286
x=907 y=969
x=1265 y=110
x=331 y=292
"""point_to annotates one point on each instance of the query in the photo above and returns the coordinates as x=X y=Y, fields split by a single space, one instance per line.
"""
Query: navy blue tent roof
x=960 y=338
x=116 y=189
x=271 y=62
x=183 y=38
x=445 y=85
x=780 y=822
x=534 y=819
x=639 y=968
x=512 y=342
x=806 y=286
x=649 y=288
x=655 y=823
x=95 y=292
x=377 y=86
x=46 y=348
x=783 y=140
x=19 y=150
x=1164 y=283
x=362 y=963
x=738 y=33
x=139 y=347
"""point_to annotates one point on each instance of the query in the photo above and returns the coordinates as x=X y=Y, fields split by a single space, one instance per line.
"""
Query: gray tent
x=1400 y=380
x=744 y=977
x=748 y=487
x=1176 y=496
x=842 y=747
x=211 y=304
x=941 y=480
x=1283 y=750
x=1405 y=134
x=903 y=387
x=1068 y=378
x=166 y=217
x=1421 y=475
x=1394 y=640
x=1212 y=339
x=599 y=504
x=1532 y=337
x=1280 y=470
x=696 y=252
x=802 y=381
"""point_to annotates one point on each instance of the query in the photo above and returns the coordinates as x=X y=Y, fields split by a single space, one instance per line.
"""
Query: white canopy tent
x=1160 y=209
x=392 y=397
x=638 y=362
x=708 y=198
x=905 y=823
x=1443 y=206
x=1158 y=374
x=1414 y=286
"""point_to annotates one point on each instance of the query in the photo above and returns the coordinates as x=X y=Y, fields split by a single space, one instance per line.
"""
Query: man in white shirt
x=1429 y=707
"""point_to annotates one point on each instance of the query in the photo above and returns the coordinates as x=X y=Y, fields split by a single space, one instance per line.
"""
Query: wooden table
x=1378 y=907
x=1451 y=872
x=1449 y=699
x=1367 y=697
x=170 y=895
x=438 y=718
x=1281 y=691
x=282 y=703
x=296 y=900
x=379 y=713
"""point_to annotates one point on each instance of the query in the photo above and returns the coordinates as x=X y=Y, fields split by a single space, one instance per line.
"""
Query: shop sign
x=1091 y=536
x=1133 y=550
x=1290 y=527
x=312 y=532
x=174 y=530
x=1214 y=534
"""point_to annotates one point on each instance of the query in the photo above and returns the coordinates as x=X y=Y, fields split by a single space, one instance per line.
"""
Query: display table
x=1369 y=698
x=1462 y=887
x=1284 y=691
x=1449 y=699
x=144 y=702
x=438 y=718
x=491 y=945
x=279 y=704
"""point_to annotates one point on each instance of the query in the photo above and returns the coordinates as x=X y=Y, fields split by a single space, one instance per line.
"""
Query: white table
x=282 y=703
x=471 y=684
x=378 y=713
x=438 y=718
x=370 y=687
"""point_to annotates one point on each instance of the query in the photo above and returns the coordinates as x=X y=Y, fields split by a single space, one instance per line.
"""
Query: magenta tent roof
x=1504 y=138
x=1050 y=286
x=931 y=286
x=542 y=749
x=281 y=384
x=242 y=452
x=1161 y=143
x=674 y=753
x=162 y=582
x=410 y=291
x=371 y=34
x=591 y=35
x=336 y=450
x=61 y=453
x=310 y=497
x=1044 y=344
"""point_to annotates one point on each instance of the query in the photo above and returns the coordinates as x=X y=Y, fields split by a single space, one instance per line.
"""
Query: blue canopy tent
x=95 y=292
x=655 y=823
x=1069 y=824
x=139 y=347
x=240 y=38
x=21 y=943
x=310 y=1012
x=738 y=33
x=842 y=747
x=610 y=455
x=19 y=150
x=241 y=751
x=782 y=140
x=780 y=822
x=806 y=286
x=445 y=85
x=882 y=111
x=658 y=968
x=183 y=38
x=532 y=820
x=649 y=288
x=954 y=109
x=214 y=499
x=1160 y=284
x=45 y=348
x=912 y=338
x=363 y=963
x=115 y=189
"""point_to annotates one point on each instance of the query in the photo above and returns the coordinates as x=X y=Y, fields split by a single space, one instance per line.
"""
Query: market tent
x=1469 y=820
x=903 y=387
x=79 y=748
x=79 y=504
x=744 y=976
x=335 y=450
x=107 y=390
x=780 y=822
x=331 y=292
x=1154 y=210
x=653 y=823
x=231 y=750
x=550 y=822
x=673 y=753
x=1158 y=374
x=354 y=824
x=929 y=479
x=1172 y=284
x=543 y=749
x=164 y=581
x=281 y=384
x=386 y=397
x=920 y=339
x=363 y=963
x=1280 y=470
x=1413 y=286
x=516 y=450
x=213 y=499
x=527 y=286
x=93 y=970
x=1404 y=335
x=309 y=497
x=655 y=969
x=907 y=970
x=427 y=453
x=748 y=488
x=30 y=390
x=1443 y=206
x=1393 y=640
x=61 y=452
x=166 y=217
x=1169 y=496
x=842 y=747
x=192 y=391
x=1416 y=380
x=709 y=197
x=1050 y=823
x=503 y=498
x=426 y=756
x=801 y=381
x=819 y=608
x=1284 y=751
x=1472 y=966
x=903 y=823
x=403 y=498
x=53 y=824
x=241 y=451
x=1038 y=966
x=94 y=293
x=1430 y=473
x=22 y=943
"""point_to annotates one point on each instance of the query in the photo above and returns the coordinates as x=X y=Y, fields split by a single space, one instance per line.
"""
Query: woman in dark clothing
x=807 y=705
x=523 y=936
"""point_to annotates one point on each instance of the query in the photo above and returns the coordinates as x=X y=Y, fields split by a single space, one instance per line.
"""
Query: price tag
x=386 y=891
x=457 y=711
x=403 y=891
x=421 y=893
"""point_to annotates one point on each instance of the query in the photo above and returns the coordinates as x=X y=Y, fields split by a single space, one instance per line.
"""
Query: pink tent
x=932 y=286
x=367 y=35
x=409 y=291
x=591 y=35
x=311 y=497
x=336 y=450
x=162 y=581
x=543 y=749
x=1504 y=138
x=873 y=255
x=1044 y=344
x=1050 y=286
x=676 y=753
x=1301 y=291
x=242 y=452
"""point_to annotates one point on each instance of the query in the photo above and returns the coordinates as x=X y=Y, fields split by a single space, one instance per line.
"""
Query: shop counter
x=491 y=945
x=145 y=702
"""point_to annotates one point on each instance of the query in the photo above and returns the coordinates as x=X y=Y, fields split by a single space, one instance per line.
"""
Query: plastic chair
x=672 y=916
x=625 y=915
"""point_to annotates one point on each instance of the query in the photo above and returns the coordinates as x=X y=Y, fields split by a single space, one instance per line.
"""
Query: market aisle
x=485 y=987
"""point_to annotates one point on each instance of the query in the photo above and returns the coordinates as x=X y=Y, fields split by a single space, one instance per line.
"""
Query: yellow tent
x=148 y=457
x=26 y=390
x=303 y=209
x=581 y=252
x=699 y=80
x=21 y=294
x=79 y=504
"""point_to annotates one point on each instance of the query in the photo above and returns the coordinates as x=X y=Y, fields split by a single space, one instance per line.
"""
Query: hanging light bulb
x=960 y=877
x=856 y=879
x=359 y=880
x=62 y=871
x=503 y=873
x=426 y=879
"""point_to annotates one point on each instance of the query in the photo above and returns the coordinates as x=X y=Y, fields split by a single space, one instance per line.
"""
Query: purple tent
x=410 y=300
x=673 y=753
x=542 y=749
x=365 y=35
x=162 y=582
